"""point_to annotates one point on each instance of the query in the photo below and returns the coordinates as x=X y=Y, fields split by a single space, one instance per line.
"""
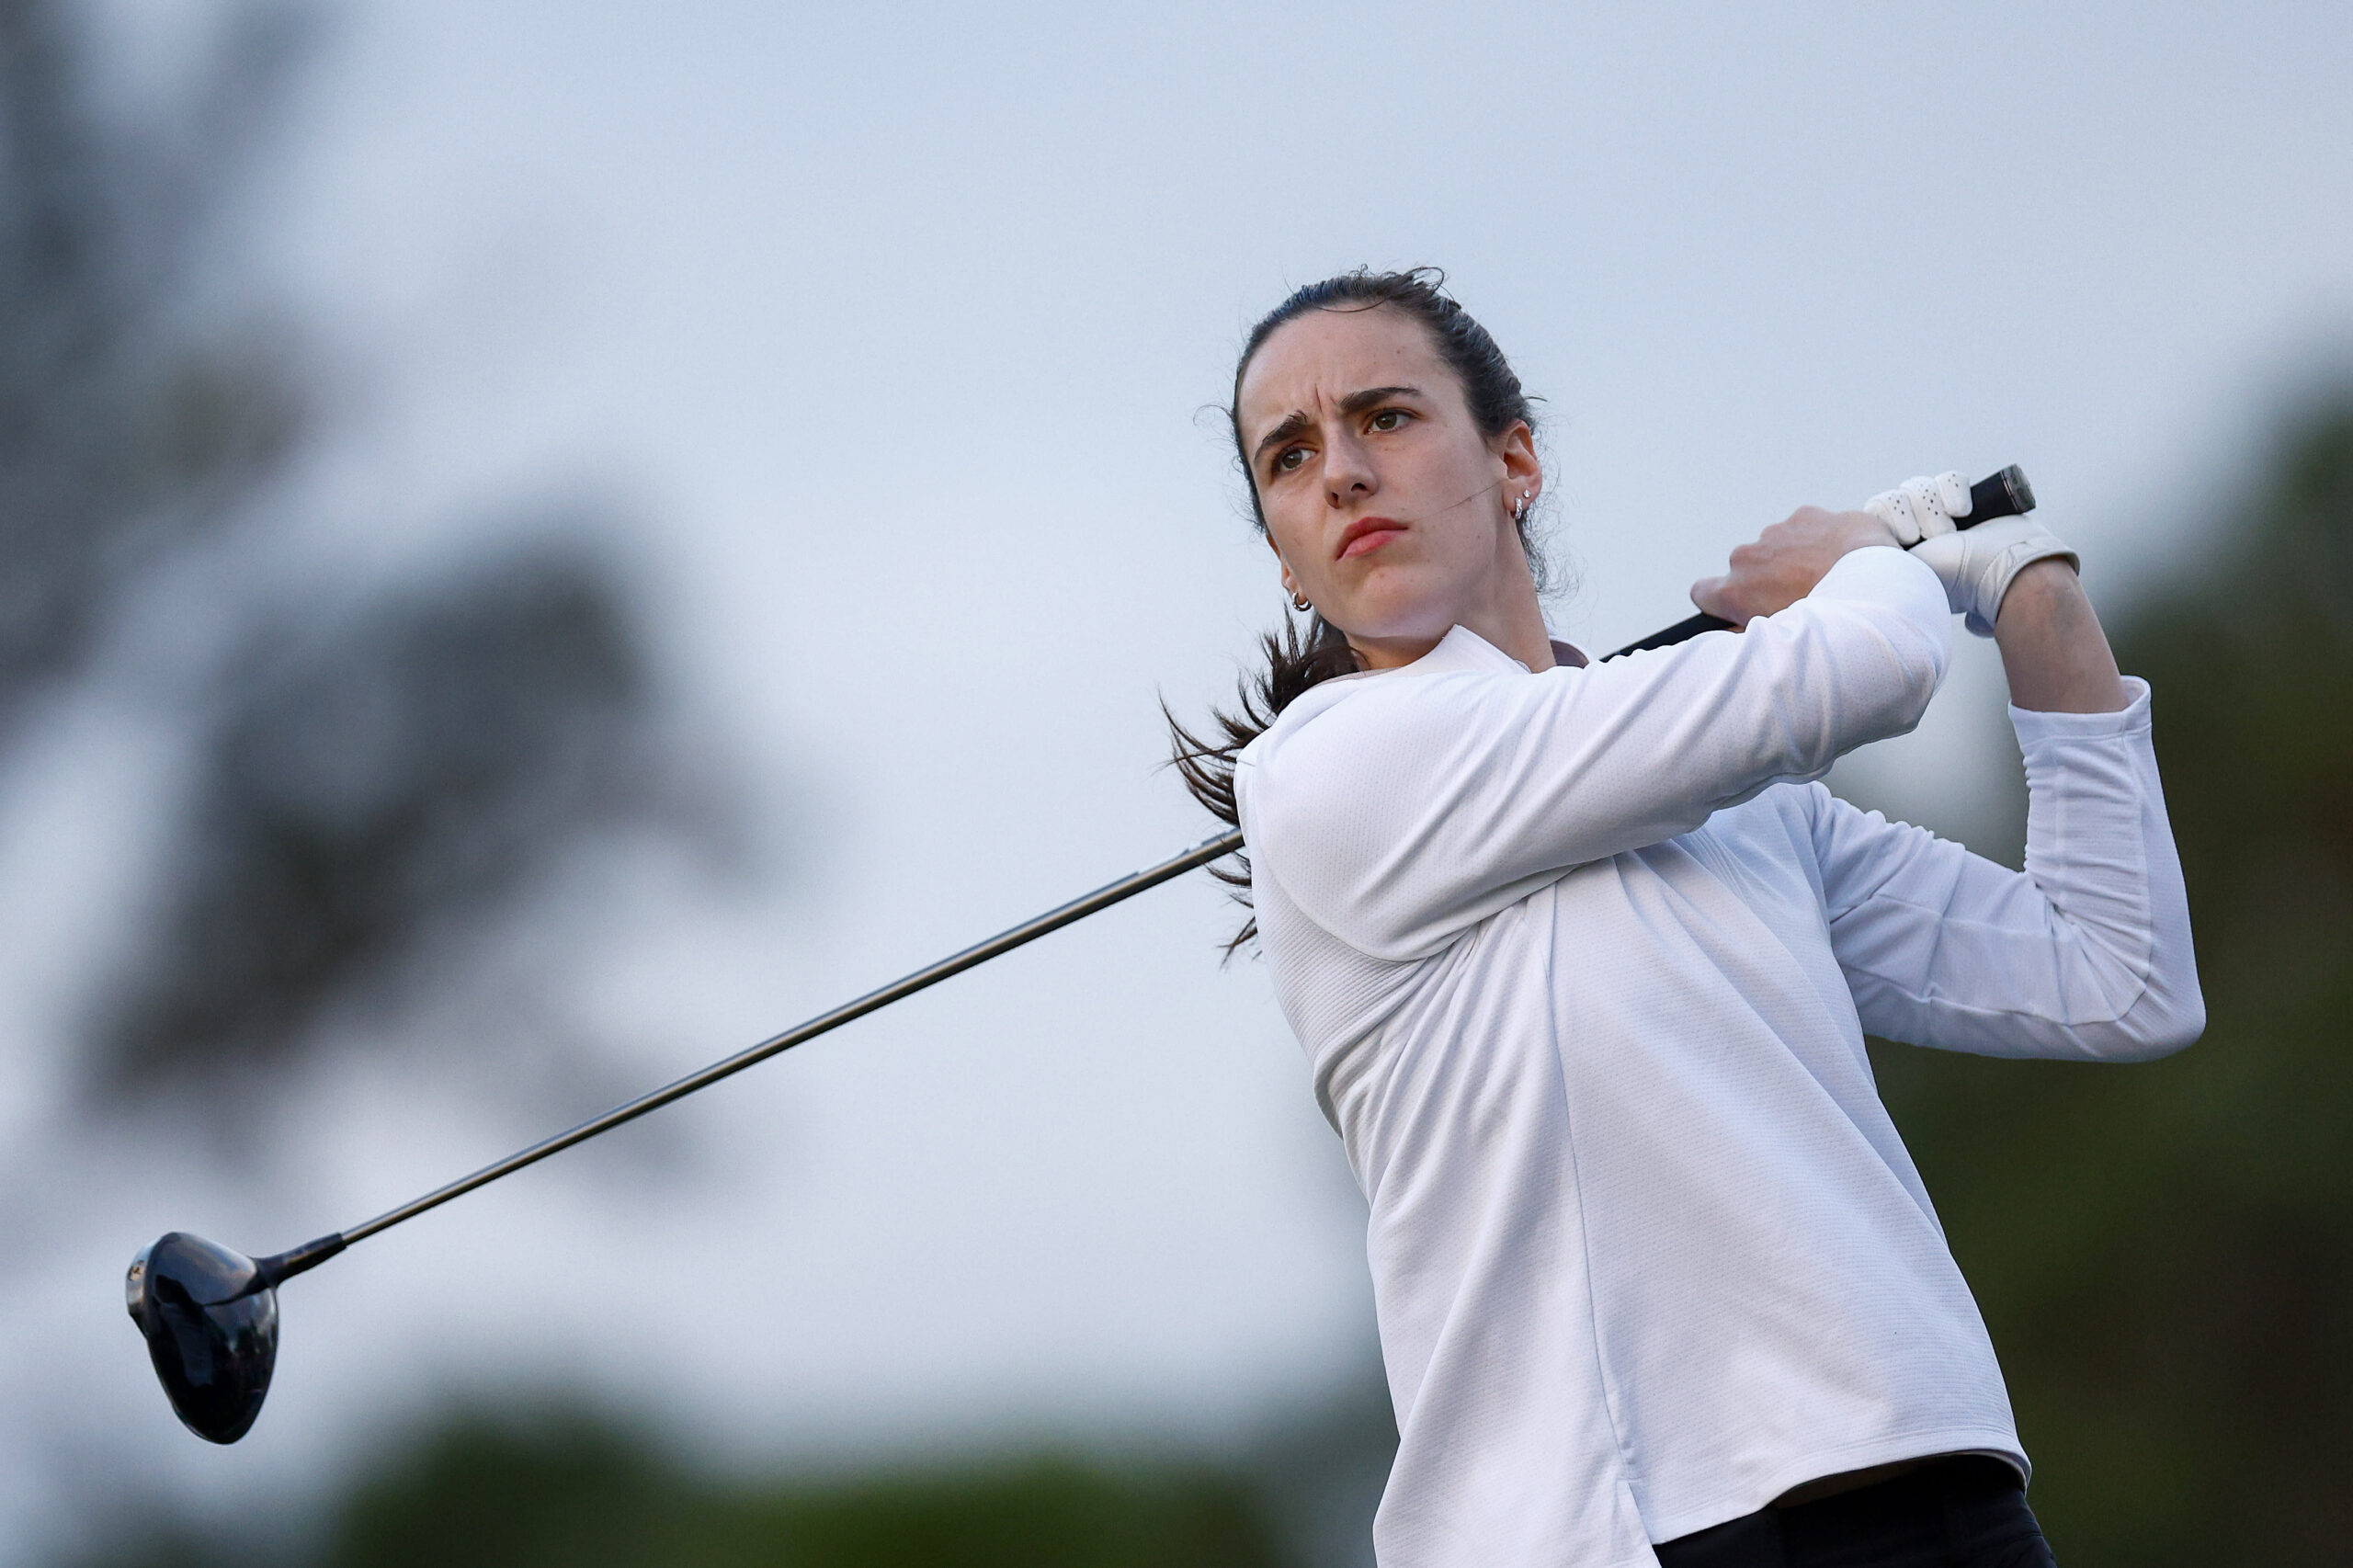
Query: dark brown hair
x=1295 y=660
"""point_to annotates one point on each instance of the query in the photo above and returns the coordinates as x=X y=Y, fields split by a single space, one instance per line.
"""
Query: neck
x=1508 y=618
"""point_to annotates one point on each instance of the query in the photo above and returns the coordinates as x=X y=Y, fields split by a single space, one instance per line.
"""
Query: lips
x=1366 y=535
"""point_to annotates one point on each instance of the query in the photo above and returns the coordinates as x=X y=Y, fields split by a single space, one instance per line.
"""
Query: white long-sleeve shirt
x=1582 y=970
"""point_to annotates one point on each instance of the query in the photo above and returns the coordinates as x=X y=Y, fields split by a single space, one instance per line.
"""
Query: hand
x=1786 y=562
x=1976 y=566
x=1922 y=507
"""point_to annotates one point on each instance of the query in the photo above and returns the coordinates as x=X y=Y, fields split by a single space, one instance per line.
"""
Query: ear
x=1523 y=474
x=1290 y=584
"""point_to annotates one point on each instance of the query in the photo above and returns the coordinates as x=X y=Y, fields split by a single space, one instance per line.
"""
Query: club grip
x=2003 y=495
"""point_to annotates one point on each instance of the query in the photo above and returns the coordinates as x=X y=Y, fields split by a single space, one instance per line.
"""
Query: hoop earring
x=1298 y=602
x=1519 y=511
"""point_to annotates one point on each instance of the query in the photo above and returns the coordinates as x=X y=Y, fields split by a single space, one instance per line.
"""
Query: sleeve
x=1415 y=806
x=2084 y=954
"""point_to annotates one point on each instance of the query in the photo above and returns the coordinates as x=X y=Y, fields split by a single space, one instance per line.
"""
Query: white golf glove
x=1977 y=564
x=1921 y=509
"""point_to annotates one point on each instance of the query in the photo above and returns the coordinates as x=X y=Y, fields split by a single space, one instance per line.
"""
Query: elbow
x=1919 y=671
x=2176 y=1007
x=2166 y=1020
x=1926 y=669
x=1933 y=658
x=1922 y=645
x=1892 y=702
x=2124 y=1047
x=2185 y=1024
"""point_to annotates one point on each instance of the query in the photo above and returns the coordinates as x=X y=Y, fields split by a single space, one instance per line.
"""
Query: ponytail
x=1293 y=663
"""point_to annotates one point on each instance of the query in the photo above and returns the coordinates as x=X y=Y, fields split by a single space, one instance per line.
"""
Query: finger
x=1952 y=495
x=1718 y=598
x=1907 y=510
x=1891 y=536
x=1894 y=508
x=1921 y=492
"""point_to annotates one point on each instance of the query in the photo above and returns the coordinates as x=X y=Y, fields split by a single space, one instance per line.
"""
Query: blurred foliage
x=373 y=769
x=581 y=1493
x=374 y=778
x=131 y=423
x=2164 y=1251
x=496 y=1497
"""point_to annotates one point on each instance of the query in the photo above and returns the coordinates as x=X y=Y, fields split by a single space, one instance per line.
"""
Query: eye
x=1288 y=460
x=1390 y=419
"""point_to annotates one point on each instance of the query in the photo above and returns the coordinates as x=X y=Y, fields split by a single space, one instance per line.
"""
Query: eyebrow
x=1297 y=420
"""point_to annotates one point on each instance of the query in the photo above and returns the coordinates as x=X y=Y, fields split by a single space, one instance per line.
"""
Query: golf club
x=209 y=1316
x=2003 y=495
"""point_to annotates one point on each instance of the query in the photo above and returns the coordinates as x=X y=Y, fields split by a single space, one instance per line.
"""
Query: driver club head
x=210 y=1319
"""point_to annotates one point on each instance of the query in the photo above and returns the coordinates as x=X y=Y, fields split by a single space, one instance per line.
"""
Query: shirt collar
x=1462 y=649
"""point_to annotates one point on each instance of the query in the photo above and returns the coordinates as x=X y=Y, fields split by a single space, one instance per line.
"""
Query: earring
x=1298 y=602
x=1519 y=512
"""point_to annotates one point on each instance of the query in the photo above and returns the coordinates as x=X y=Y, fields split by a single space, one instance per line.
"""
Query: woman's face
x=1386 y=506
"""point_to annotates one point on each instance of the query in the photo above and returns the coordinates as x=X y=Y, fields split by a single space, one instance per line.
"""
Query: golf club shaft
x=1003 y=942
x=2003 y=495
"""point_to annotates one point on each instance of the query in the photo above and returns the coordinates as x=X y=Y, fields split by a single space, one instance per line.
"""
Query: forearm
x=2087 y=954
x=2053 y=651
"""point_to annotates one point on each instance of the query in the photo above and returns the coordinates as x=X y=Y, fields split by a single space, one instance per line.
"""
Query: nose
x=1349 y=475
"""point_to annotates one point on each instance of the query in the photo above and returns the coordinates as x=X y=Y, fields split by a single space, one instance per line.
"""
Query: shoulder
x=1357 y=725
x=1309 y=754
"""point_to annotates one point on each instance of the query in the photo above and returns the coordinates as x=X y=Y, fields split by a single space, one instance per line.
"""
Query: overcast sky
x=890 y=330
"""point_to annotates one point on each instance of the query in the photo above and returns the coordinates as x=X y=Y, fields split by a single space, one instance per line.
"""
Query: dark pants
x=1956 y=1513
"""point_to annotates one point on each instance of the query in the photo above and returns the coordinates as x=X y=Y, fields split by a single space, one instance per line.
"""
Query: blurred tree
x=131 y=423
x=551 y=1483
x=580 y=1493
x=375 y=779
x=2165 y=1253
x=1320 y=1472
x=375 y=767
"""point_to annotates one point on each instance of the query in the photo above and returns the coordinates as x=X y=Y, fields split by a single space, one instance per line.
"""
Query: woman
x=1582 y=967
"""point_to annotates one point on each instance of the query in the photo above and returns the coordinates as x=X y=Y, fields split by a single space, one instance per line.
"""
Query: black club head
x=210 y=1319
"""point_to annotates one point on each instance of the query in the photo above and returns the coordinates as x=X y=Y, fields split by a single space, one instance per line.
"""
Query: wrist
x=2040 y=590
x=1867 y=532
x=2053 y=651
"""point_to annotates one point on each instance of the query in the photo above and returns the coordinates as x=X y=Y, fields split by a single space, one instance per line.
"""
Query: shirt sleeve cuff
x=2033 y=725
